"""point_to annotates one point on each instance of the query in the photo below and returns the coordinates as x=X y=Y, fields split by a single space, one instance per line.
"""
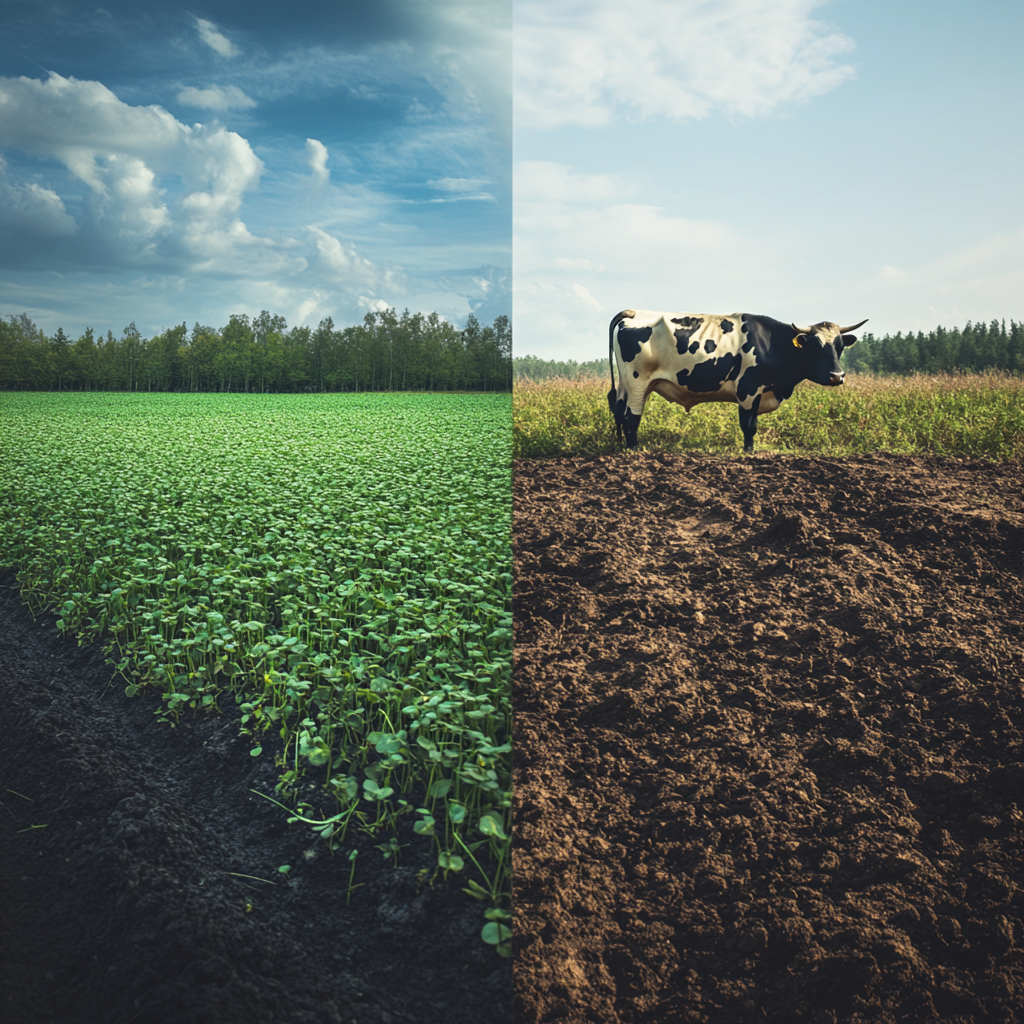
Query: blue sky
x=810 y=161
x=165 y=163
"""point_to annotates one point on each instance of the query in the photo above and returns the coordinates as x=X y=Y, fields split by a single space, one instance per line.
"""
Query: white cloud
x=122 y=153
x=590 y=62
x=585 y=295
x=460 y=189
x=33 y=212
x=355 y=272
x=216 y=98
x=216 y=40
x=458 y=184
x=888 y=273
x=551 y=183
x=316 y=153
x=123 y=193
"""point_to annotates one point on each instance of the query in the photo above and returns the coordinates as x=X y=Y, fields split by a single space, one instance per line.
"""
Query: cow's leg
x=748 y=424
x=630 y=424
x=626 y=421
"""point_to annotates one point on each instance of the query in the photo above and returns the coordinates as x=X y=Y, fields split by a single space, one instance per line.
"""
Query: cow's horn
x=847 y=330
x=800 y=330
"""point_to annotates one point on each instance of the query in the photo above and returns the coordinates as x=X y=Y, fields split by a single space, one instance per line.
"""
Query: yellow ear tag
x=797 y=343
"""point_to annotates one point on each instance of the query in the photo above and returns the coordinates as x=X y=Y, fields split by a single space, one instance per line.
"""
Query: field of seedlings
x=977 y=415
x=321 y=582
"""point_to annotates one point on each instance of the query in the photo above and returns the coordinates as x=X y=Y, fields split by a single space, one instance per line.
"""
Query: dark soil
x=769 y=760
x=123 y=909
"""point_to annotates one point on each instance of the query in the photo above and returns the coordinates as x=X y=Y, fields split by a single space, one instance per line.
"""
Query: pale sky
x=805 y=160
x=164 y=162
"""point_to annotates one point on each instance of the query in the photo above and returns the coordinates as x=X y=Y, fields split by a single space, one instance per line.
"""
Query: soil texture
x=769 y=724
x=139 y=877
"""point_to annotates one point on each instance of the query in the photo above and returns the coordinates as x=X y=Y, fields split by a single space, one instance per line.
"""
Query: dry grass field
x=963 y=415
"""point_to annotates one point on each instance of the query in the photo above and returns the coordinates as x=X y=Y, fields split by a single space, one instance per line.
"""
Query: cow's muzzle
x=836 y=379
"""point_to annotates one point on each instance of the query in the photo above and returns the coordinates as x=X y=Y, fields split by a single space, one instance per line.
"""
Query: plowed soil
x=139 y=874
x=769 y=724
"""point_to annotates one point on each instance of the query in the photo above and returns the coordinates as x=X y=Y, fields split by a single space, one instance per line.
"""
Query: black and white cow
x=689 y=358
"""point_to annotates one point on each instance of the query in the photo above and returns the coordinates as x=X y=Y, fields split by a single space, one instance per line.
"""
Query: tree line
x=971 y=349
x=536 y=369
x=388 y=351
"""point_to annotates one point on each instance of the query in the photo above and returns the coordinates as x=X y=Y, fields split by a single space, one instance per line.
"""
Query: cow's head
x=819 y=348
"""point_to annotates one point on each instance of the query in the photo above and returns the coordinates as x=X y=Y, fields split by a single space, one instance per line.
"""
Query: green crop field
x=335 y=571
x=940 y=414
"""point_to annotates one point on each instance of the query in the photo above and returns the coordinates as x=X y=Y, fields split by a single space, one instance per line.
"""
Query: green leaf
x=256 y=751
x=450 y=861
x=491 y=825
x=492 y=933
x=477 y=891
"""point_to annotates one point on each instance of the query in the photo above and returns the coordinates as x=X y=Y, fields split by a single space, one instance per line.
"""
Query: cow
x=689 y=358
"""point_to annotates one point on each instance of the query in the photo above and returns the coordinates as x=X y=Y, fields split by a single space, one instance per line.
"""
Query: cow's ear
x=849 y=339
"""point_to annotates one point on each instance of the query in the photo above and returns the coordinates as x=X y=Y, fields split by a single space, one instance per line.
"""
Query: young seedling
x=351 y=876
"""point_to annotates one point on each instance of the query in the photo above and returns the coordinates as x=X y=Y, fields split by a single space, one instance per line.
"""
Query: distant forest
x=386 y=352
x=971 y=349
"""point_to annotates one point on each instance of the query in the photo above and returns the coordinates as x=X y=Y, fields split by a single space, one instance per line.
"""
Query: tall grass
x=977 y=415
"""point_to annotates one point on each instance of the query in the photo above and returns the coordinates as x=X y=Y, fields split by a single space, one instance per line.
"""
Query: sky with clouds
x=803 y=159
x=162 y=163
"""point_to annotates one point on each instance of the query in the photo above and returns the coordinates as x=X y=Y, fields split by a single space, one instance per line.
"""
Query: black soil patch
x=769 y=741
x=128 y=906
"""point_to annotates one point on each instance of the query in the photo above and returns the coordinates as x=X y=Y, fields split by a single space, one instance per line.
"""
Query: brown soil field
x=139 y=877
x=769 y=724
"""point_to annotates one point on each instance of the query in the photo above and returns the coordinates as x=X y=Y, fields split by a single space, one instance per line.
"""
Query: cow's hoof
x=748 y=449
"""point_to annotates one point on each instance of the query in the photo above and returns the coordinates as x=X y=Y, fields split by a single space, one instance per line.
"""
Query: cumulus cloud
x=31 y=211
x=316 y=153
x=121 y=153
x=216 y=40
x=216 y=98
x=113 y=192
x=355 y=272
x=590 y=62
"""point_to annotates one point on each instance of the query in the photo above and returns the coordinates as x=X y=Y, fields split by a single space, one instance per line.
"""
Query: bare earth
x=769 y=761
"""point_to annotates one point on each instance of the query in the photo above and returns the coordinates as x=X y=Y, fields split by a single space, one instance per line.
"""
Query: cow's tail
x=613 y=394
x=611 y=350
x=616 y=320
